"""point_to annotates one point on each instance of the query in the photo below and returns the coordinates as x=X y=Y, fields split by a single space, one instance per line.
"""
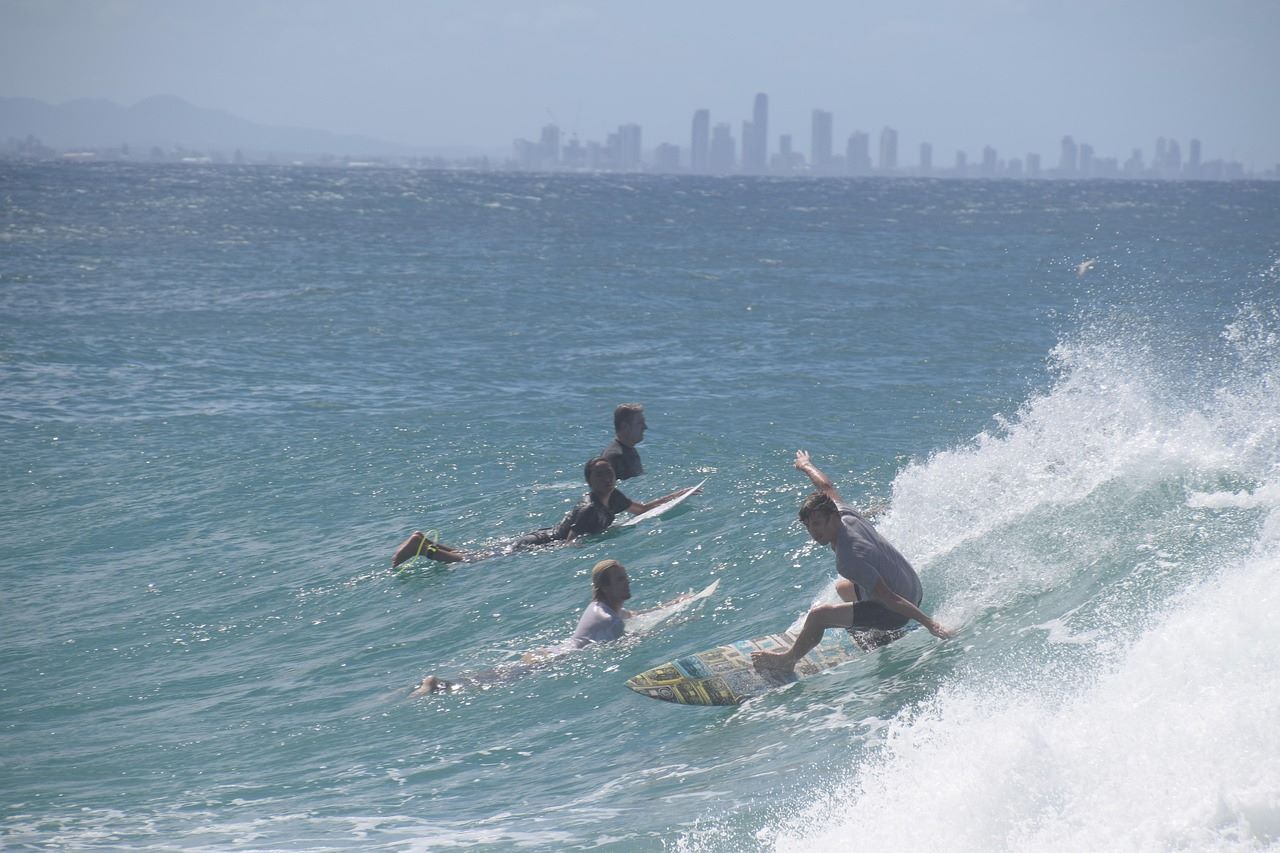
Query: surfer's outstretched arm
x=684 y=596
x=820 y=481
x=641 y=508
x=890 y=599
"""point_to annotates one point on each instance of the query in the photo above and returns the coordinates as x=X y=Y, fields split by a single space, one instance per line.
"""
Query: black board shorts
x=871 y=615
x=875 y=625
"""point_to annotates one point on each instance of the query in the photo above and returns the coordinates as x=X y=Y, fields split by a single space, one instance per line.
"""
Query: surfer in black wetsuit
x=593 y=514
x=880 y=589
x=628 y=426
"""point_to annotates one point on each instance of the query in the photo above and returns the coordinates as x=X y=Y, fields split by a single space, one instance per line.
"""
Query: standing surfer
x=879 y=588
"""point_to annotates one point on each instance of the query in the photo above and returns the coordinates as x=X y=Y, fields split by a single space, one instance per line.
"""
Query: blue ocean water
x=227 y=394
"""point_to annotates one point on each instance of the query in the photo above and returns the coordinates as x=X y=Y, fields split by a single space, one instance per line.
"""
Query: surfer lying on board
x=593 y=514
x=880 y=589
x=601 y=622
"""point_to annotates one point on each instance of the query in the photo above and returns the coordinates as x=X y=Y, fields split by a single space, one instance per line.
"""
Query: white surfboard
x=649 y=620
x=662 y=509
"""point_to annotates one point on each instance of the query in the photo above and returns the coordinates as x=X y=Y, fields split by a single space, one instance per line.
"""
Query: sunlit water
x=228 y=394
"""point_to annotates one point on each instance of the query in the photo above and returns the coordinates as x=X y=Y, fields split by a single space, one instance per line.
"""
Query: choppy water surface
x=227 y=394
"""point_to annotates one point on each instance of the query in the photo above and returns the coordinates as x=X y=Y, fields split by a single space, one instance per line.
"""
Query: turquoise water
x=226 y=395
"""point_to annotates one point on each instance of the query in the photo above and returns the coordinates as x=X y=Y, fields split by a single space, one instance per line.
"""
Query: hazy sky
x=1016 y=74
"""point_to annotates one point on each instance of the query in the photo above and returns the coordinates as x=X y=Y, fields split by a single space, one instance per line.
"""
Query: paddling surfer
x=593 y=514
x=601 y=622
x=879 y=588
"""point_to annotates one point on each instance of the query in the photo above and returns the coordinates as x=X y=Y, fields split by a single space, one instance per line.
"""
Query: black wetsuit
x=624 y=459
x=588 y=517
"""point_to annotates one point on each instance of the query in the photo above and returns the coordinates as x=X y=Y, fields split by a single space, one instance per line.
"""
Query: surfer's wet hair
x=600 y=576
x=814 y=504
x=592 y=463
x=625 y=414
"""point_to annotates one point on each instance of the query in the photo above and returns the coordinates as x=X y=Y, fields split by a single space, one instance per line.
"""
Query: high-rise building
x=857 y=154
x=628 y=149
x=550 y=144
x=700 y=148
x=574 y=155
x=1067 y=162
x=786 y=161
x=1033 y=165
x=1086 y=160
x=666 y=158
x=720 y=159
x=962 y=164
x=755 y=138
x=1193 y=159
x=1173 y=159
x=926 y=158
x=820 y=142
x=1133 y=167
x=990 y=162
x=888 y=150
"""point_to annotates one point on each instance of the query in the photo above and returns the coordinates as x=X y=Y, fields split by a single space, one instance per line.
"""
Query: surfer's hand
x=802 y=460
x=940 y=632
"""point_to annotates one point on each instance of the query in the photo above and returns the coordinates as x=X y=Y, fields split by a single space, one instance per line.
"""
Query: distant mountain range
x=169 y=122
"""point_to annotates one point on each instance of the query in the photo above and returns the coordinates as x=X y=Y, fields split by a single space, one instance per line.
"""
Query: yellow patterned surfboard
x=725 y=675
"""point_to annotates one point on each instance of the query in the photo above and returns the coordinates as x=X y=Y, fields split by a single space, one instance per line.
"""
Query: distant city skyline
x=168 y=129
x=1017 y=75
x=751 y=154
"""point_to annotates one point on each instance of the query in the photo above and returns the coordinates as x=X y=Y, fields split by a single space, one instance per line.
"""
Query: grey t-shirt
x=864 y=556
x=598 y=624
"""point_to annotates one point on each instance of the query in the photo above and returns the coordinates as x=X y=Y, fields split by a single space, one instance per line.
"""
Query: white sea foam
x=1159 y=738
x=1175 y=748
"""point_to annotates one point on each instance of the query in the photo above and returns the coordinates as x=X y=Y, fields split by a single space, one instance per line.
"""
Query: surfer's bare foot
x=409 y=549
x=773 y=662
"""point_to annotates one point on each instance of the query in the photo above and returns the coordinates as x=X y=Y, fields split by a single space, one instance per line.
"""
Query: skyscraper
x=1133 y=167
x=666 y=158
x=755 y=151
x=550 y=144
x=926 y=158
x=628 y=153
x=820 y=142
x=1173 y=159
x=990 y=162
x=720 y=158
x=857 y=154
x=888 y=150
x=700 y=147
x=1070 y=154
x=1193 y=159
x=1086 y=160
